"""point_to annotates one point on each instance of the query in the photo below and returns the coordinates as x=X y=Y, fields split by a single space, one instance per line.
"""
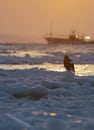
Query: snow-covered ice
x=65 y=100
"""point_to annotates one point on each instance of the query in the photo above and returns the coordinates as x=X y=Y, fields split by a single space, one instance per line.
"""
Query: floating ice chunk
x=68 y=76
x=36 y=92
x=83 y=90
x=81 y=81
x=59 y=84
x=5 y=96
x=16 y=90
x=39 y=92
x=52 y=84
x=60 y=91
x=54 y=124
x=10 y=122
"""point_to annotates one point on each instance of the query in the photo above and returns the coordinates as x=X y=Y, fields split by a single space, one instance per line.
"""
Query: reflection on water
x=47 y=53
x=44 y=113
x=23 y=54
x=81 y=69
x=77 y=121
x=52 y=114
x=42 y=49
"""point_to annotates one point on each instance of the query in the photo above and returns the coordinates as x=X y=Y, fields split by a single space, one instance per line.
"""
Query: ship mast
x=51 y=30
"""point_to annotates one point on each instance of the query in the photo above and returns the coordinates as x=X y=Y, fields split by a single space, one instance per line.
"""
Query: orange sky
x=35 y=17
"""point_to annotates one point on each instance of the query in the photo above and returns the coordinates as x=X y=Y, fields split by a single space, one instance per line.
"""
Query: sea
x=48 y=56
x=39 y=68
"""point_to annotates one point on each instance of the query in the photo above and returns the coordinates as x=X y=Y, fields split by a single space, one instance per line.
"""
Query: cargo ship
x=70 y=39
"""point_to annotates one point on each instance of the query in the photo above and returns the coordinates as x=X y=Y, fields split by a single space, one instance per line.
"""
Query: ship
x=73 y=38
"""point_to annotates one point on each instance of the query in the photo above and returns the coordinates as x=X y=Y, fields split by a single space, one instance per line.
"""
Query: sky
x=38 y=17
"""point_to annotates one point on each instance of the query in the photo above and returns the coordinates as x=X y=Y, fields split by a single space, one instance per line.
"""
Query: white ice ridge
x=23 y=123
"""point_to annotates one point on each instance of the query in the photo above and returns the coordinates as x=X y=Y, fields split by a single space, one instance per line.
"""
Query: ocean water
x=69 y=104
x=50 y=57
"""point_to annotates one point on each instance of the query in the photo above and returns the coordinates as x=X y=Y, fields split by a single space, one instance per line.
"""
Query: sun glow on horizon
x=30 y=17
x=87 y=37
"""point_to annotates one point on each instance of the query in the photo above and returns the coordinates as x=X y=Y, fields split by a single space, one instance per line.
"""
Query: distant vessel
x=70 y=39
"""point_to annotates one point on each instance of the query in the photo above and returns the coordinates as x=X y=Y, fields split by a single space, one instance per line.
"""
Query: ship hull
x=63 y=41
